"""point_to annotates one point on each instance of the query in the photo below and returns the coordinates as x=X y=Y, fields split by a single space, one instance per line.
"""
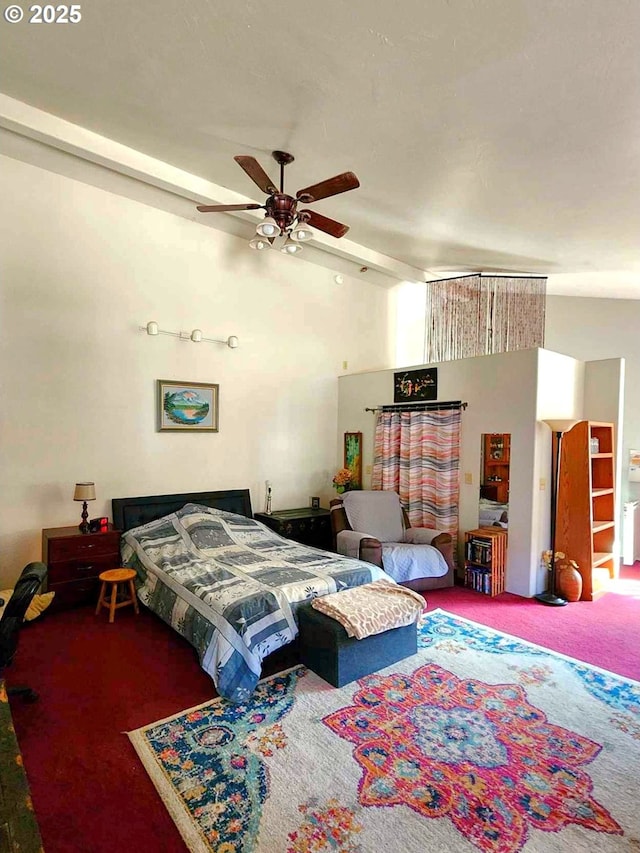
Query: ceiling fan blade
x=256 y=173
x=323 y=223
x=213 y=208
x=332 y=186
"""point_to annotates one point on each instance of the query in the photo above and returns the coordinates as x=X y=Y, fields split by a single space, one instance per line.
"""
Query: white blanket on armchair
x=409 y=562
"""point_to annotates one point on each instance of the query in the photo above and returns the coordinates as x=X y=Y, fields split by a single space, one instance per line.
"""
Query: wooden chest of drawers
x=75 y=560
x=304 y=525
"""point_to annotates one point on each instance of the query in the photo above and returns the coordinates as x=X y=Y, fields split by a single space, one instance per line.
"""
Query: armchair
x=27 y=585
x=373 y=526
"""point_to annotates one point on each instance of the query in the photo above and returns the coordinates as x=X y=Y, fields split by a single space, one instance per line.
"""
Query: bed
x=227 y=583
x=493 y=514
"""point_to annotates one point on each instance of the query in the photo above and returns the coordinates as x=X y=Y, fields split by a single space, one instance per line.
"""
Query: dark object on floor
x=30 y=581
x=18 y=826
x=326 y=648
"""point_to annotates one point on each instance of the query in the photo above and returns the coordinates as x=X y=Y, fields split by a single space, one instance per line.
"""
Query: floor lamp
x=558 y=428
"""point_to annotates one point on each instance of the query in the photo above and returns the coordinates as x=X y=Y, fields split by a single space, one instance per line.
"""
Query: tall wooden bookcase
x=586 y=521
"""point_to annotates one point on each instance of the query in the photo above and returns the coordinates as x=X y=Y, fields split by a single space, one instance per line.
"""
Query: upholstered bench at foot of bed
x=326 y=648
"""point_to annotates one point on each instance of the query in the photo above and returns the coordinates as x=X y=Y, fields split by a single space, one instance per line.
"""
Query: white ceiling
x=486 y=134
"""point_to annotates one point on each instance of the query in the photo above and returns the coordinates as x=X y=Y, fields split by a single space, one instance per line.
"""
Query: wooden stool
x=115 y=577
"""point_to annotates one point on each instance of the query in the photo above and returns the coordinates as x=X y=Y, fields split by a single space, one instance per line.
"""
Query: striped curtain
x=417 y=455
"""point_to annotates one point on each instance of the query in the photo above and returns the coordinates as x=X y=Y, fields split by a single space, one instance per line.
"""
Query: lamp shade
x=85 y=492
x=291 y=248
x=560 y=425
x=301 y=233
x=268 y=227
x=259 y=244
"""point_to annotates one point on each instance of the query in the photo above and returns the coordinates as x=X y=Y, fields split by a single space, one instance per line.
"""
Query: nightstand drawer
x=87 y=567
x=85 y=547
x=69 y=594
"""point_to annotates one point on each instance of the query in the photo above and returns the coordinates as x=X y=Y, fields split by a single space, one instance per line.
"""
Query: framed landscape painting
x=353 y=457
x=187 y=406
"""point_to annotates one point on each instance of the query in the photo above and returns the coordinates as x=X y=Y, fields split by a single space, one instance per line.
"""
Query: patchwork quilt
x=231 y=587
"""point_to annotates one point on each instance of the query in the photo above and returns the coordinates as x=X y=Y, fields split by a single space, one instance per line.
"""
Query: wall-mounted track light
x=196 y=335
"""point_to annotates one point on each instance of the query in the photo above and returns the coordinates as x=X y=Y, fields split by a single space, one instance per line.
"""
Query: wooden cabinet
x=74 y=561
x=586 y=525
x=495 y=467
x=307 y=526
x=485 y=559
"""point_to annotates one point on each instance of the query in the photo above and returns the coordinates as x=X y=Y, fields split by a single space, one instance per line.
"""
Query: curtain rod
x=419 y=407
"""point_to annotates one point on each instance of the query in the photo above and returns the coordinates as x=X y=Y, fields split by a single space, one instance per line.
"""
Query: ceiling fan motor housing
x=282 y=208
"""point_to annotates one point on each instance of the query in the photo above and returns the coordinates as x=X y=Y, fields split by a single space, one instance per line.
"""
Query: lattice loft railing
x=483 y=315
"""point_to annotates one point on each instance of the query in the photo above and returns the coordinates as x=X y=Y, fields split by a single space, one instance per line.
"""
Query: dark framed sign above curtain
x=413 y=386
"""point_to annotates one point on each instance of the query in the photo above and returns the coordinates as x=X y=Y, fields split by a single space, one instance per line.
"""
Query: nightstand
x=75 y=560
x=307 y=526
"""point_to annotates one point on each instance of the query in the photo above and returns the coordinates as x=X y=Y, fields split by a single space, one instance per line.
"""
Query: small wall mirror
x=494 y=480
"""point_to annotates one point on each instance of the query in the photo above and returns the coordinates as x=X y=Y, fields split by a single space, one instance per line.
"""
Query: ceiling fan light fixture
x=259 y=244
x=268 y=227
x=301 y=233
x=291 y=248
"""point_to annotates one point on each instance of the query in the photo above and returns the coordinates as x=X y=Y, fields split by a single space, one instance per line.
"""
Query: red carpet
x=97 y=681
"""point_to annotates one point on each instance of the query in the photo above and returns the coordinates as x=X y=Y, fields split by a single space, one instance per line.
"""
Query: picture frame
x=353 y=457
x=187 y=406
x=413 y=386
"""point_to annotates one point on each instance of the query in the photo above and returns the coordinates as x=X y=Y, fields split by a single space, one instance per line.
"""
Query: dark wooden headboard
x=132 y=512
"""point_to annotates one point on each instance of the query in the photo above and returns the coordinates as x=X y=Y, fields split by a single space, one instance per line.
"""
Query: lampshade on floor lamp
x=558 y=427
x=84 y=492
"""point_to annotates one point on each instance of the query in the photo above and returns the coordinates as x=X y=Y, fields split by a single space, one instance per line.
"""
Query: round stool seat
x=115 y=577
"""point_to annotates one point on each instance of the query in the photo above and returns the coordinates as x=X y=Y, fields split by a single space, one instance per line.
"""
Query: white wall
x=560 y=394
x=502 y=394
x=82 y=268
x=593 y=329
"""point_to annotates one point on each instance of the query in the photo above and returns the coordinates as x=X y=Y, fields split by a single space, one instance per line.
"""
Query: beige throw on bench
x=372 y=608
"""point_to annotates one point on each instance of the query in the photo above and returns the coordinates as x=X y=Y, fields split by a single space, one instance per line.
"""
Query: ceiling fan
x=284 y=225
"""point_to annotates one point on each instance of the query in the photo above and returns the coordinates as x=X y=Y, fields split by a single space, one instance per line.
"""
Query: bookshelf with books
x=586 y=518
x=485 y=557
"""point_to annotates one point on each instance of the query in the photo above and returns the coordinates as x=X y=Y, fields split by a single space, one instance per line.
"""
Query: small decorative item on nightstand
x=84 y=492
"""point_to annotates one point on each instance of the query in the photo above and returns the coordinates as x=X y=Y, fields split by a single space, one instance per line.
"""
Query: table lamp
x=84 y=492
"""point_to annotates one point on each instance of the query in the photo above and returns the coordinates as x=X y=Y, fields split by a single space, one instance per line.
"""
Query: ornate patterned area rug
x=481 y=741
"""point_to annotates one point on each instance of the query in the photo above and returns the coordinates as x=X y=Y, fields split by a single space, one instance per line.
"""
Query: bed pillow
x=39 y=603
